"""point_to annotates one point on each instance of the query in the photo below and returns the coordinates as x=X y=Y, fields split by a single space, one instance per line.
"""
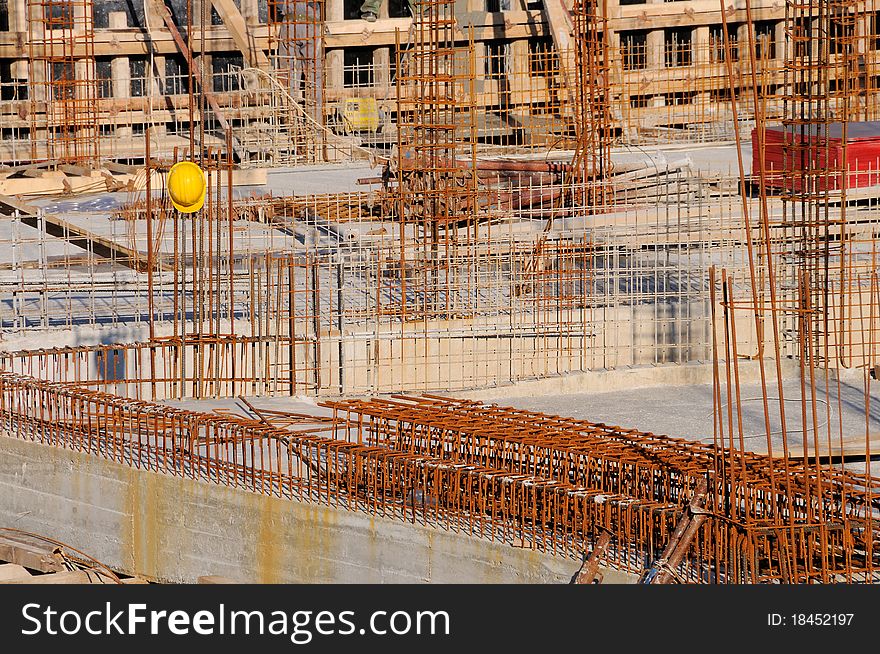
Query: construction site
x=502 y=291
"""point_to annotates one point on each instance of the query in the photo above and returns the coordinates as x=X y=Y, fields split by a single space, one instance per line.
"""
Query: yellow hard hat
x=186 y=186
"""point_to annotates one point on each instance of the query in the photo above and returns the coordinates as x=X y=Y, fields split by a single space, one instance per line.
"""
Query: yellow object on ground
x=360 y=115
x=186 y=186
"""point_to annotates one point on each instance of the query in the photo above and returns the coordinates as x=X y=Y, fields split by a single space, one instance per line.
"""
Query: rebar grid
x=810 y=265
x=643 y=467
x=296 y=38
x=64 y=89
x=321 y=275
x=531 y=480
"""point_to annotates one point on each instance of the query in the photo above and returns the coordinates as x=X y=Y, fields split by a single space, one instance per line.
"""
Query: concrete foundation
x=172 y=529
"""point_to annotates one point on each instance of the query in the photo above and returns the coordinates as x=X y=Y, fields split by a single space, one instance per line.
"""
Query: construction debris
x=35 y=559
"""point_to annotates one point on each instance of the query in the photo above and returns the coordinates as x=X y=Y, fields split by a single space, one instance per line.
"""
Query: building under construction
x=515 y=291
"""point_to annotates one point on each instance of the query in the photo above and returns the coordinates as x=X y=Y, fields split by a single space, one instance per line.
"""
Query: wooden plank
x=52 y=183
x=371 y=38
x=657 y=16
x=11 y=170
x=12 y=571
x=72 y=577
x=56 y=183
x=363 y=28
x=136 y=42
x=240 y=33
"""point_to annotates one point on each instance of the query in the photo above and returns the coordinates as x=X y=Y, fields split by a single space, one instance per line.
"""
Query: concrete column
x=18 y=16
x=37 y=72
x=18 y=21
x=480 y=61
x=334 y=10
x=742 y=38
x=250 y=11
x=156 y=76
x=19 y=70
x=655 y=49
x=700 y=44
x=815 y=39
x=614 y=43
x=656 y=45
x=120 y=75
x=153 y=17
x=120 y=72
x=382 y=69
x=863 y=33
x=519 y=64
x=334 y=75
x=204 y=64
x=196 y=18
x=81 y=21
x=334 y=60
x=118 y=20
x=779 y=38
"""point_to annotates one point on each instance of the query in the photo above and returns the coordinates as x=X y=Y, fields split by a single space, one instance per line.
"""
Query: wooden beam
x=121 y=178
x=11 y=170
x=241 y=34
x=9 y=205
x=122 y=169
x=841 y=448
x=215 y=579
x=560 y=27
x=70 y=169
x=29 y=553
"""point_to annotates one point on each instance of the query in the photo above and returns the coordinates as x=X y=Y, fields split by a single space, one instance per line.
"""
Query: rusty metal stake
x=589 y=572
x=663 y=570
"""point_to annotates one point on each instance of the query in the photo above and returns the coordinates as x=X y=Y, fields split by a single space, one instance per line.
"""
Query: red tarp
x=862 y=156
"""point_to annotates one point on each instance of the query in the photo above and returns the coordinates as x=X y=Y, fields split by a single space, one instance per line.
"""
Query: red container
x=813 y=156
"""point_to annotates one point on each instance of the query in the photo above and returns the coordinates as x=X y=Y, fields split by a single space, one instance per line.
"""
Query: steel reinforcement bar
x=827 y=533
x=518 y=501
x=493 y=503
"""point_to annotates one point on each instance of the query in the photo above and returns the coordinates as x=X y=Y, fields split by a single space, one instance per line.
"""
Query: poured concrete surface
x=174 y=529
x=683 y=409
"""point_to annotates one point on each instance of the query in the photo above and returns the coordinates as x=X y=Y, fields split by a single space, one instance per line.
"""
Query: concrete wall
x=176 y=529
x=437 y=355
